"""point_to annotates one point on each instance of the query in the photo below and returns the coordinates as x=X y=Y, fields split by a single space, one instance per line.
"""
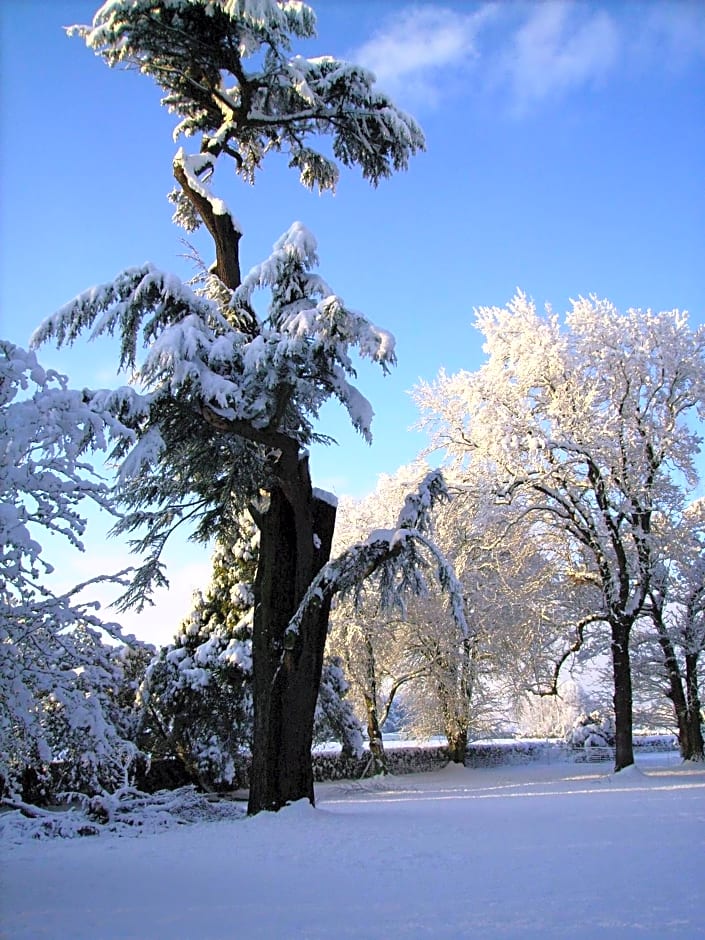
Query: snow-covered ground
x=539 y=850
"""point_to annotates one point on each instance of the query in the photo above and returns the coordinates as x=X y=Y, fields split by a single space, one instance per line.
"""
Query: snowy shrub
x=124 y=812
x=196 y=698
x=202 y=715
x=593 y=730
x=335 y=719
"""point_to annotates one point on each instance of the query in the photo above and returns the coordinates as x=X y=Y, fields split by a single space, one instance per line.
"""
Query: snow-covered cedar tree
x=590 y=423
x=67 y=694
x=196 y=696
x=225 y=399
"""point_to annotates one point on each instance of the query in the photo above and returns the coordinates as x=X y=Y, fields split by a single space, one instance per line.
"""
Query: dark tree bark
x=374 y=735
x=374 y=725
x=694 y=710
x=457 y=745
x=690 y=740
x=296 y=534
x=225 y=236
x=623 y=721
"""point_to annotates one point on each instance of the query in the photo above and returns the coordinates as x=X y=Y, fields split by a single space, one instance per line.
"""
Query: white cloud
x=529 y=52
x=560 y=46
x=672 y=35
x=416 y=51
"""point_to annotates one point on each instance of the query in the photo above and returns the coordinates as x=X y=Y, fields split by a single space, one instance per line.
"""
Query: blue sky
x=566 y=155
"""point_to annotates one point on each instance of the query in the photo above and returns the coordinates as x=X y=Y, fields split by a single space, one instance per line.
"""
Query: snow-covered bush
x=593 y=730
x=125 y=812
x=335 y=718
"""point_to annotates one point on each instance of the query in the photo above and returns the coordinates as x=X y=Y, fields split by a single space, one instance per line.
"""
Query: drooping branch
x=391 y=549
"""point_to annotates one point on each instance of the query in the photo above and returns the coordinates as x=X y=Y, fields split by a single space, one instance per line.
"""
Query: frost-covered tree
x=529 y=614
x=553 y=716
x=67 y=694
x=677 y=617
x=587 y=423
x=363 y=632
x=421 y=650
x=225 y=399
x=690 y=625
x=444 y=663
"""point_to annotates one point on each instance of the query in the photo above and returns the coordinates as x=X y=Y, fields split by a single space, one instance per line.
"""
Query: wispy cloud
x=560 y=46
x=672 y=35
x=528 y=54
x=417 y=51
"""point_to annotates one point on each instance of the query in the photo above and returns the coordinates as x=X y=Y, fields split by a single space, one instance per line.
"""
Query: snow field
x=558 y=850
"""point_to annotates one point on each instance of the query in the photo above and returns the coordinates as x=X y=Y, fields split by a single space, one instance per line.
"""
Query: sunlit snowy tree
x=420 y=650
x=225 y=399
x=363 y=632
x=588 y=423
x=676 y=611
x=66 y=693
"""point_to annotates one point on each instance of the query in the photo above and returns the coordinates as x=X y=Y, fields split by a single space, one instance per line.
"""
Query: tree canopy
x=585 y=425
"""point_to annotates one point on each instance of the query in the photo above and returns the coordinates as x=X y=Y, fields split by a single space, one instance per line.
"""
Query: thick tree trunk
x=457 y=744
x=676 y=692
x=694 y=710
x=374 y=734
x=624 y=747
x=296 y=533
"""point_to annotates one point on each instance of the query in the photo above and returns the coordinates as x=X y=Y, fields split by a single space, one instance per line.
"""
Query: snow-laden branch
x=57 y=675
x=393 y=555
x=256 y=385
x=197 y=53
